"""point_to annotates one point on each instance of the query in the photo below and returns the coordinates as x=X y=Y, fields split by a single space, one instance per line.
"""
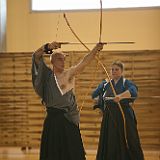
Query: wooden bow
x=102 y=65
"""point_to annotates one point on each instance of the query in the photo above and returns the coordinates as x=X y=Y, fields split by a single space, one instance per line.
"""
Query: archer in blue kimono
x=113 y=145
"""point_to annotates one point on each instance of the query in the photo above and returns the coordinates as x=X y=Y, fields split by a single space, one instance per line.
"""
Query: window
x=59 y=5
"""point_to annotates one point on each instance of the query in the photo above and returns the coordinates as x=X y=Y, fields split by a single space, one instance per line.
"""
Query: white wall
x=27 y=30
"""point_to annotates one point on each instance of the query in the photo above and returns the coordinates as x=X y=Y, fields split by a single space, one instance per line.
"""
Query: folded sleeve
x=99 y=90
x=133 y=89
x=40 y=73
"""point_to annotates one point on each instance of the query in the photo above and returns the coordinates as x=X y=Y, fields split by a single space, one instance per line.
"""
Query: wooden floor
x=15 y=153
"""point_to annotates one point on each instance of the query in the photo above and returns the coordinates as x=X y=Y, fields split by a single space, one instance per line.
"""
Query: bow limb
x=103 y=67
x=114 y=92
x=100 y=24
x=119 y=105
x=65 y=17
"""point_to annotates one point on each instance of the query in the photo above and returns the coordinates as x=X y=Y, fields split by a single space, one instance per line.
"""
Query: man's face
x=116 y=72
x=58 y=61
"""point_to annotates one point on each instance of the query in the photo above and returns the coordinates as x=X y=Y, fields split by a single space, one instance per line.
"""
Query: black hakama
x=61 y=139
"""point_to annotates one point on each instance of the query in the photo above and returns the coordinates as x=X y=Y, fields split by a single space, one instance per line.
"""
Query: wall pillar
x=3 y=15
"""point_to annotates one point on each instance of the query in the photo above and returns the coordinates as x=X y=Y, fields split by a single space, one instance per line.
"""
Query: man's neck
x=57 y=71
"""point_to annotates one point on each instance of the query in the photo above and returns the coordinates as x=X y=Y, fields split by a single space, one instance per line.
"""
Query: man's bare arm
x=86 y=60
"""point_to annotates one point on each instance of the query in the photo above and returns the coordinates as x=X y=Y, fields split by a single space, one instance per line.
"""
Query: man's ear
x=52 y=61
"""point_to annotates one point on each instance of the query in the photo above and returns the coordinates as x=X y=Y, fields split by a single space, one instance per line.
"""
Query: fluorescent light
x=44 y=5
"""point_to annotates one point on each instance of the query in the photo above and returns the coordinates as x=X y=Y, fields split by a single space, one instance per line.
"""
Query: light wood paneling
x=22 y=114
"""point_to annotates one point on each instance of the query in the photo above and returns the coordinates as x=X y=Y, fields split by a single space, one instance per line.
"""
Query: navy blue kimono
x=98 y=93
x=112 y=144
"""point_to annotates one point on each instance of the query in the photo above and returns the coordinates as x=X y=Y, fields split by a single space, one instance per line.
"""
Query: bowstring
x=57 y=27
x=100 y=24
